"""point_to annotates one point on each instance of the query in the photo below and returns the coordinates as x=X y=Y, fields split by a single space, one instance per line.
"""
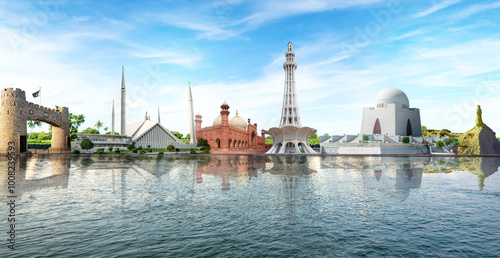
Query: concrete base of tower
x=290 y=140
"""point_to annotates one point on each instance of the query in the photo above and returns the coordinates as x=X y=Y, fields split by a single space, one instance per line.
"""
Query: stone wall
x=14 y=113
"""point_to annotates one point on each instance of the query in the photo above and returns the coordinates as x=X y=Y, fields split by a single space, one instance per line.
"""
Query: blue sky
x=445 y=54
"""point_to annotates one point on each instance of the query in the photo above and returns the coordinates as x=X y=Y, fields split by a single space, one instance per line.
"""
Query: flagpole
x=40 y=93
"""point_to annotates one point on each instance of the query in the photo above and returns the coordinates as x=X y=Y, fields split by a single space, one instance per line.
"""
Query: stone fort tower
x=14 y=113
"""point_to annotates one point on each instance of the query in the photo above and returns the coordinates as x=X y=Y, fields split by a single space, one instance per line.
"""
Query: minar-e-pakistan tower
x=290 y=137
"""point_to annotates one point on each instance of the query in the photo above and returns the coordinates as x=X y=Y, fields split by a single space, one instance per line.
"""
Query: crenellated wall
x=14 y=113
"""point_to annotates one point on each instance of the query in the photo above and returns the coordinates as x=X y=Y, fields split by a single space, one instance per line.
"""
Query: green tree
x=74 y=122
x=86 y=144
x=41 y=136
x=177 y=134
x=106 y=129
x=108 y=133
x=99 y=125
x=203 y=144
x=269 y=137
x=406 y=139
x=32 y=124
x=424 y=127
x=110 y=149
x=313 y=136
x=90 y=131
x=188 y=136
x=439 y=144
x=170 y=148
x=366 y=138
x=326 y=134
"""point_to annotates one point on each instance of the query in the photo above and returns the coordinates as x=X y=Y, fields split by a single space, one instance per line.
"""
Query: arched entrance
x=376 y=128
x=217 y=143
x=253 y=140
x=409 y=131
x=230 y=141
x=290 y=148
x=16 y=111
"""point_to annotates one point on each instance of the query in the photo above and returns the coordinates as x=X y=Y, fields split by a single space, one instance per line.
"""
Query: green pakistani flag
x=36 y=94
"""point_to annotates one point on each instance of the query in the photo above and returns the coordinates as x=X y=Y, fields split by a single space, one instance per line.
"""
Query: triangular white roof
x=136 y=130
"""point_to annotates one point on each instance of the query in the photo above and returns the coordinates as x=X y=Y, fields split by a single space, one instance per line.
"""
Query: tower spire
x=158 y=114
x=192 y=131
x=290 y=114
x=123 y=124
x=113 y=119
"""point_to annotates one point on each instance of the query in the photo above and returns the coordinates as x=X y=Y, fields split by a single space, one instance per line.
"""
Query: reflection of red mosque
x=234 y=134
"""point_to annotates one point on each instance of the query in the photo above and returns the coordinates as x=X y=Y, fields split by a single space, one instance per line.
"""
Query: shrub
x=134 y=151
x=110 y=149
x=170 y=148
x=406 y=139
x=203 y=143
x=192 y=151
x=140 y=148
x=366 y=138
x=177 y=149
x=76 y=152
x=100 y=151
x=160 y=153
x=142 y=151
x=149 y=146
x=87 y=144
x=130 y=146
x=117 y=151
x=439 y=144
x=206 y=151
x=150 y=150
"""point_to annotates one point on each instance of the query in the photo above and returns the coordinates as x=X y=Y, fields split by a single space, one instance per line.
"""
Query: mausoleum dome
x=238 y=122
x=391 y=96
x=218 y=120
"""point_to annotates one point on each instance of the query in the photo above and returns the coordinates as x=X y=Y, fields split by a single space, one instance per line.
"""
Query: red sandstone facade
x=224 y=136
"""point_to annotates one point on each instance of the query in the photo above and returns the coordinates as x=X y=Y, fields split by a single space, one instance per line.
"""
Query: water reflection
x=396 y=176
x=27 y=179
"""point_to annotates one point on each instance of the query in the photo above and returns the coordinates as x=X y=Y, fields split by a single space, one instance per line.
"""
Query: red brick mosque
x=233 y=135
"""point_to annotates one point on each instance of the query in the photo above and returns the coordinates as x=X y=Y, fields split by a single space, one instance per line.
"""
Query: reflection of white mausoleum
x=391 y=115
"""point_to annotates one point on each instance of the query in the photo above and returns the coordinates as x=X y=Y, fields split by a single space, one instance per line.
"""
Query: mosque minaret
x=123 y=128
x=192 y=127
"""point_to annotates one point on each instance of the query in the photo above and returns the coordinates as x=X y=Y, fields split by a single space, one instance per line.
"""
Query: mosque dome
x=391 y=96
x=218 y=120
x=238 y=122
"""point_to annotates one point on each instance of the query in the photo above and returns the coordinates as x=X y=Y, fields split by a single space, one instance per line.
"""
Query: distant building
x=391 y=115
x=103 y=140
x=230 y=134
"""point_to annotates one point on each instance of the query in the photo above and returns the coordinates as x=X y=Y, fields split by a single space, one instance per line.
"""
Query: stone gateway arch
x=16 y=111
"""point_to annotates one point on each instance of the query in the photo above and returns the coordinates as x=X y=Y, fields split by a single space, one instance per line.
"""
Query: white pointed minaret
x=192 y=131
x=290 y=114
x=123 y=123
x=291 y=137
x=158 y=114
x=113 y=119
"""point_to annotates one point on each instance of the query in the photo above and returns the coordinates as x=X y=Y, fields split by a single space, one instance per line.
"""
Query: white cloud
x=436 y=8
x=478 y=8
x=407 y=35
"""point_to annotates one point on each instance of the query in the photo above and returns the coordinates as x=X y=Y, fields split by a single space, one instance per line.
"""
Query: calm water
x=236 y=206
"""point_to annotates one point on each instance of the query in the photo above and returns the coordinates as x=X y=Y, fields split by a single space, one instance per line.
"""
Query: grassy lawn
x=39 y=142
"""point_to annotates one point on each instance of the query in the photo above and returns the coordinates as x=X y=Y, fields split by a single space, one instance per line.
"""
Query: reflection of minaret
x=123 y=106
x=113 y=119
x=192 y=131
